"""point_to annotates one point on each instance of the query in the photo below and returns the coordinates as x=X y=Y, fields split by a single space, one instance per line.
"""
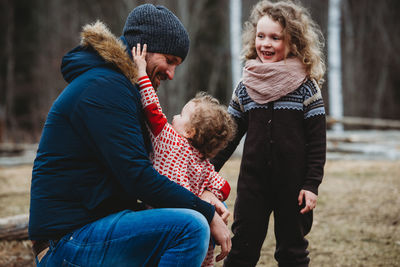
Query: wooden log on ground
x=14 y=228
x=365 y=122
x=11 y=148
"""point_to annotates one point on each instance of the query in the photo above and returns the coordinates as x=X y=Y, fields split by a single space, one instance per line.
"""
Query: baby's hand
x=139 y=57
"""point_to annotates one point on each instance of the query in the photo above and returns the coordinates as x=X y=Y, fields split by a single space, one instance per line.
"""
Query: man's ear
x=190 y=132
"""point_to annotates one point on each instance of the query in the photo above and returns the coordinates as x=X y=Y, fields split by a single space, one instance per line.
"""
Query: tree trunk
x=235 y=12
x=10 y=68
x=334 y=60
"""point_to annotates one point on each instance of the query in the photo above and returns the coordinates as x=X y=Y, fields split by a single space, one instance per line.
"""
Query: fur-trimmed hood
x=111 y=50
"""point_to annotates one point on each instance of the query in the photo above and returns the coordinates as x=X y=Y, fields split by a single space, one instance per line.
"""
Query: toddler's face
x=181 y=122
x=270 y=43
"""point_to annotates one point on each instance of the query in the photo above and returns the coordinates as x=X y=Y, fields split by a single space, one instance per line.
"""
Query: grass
x=14 y=190
x=357 y=219
x=356 y=222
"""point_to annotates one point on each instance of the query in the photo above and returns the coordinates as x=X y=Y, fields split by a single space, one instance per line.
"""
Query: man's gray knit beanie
x=157 y=27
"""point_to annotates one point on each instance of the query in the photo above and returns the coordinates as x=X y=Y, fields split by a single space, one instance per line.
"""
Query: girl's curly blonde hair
x=214 y=126
x=301 y=34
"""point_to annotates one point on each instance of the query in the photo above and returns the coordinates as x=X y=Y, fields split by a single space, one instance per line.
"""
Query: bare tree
x=370 y=64
x=207 y=64
x=335 y=62
x=10 y=77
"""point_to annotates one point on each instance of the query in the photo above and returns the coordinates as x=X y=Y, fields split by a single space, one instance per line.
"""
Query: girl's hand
x=310 y=200
x=139 y=57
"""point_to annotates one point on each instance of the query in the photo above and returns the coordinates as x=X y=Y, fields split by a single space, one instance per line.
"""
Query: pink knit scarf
x=267 y=82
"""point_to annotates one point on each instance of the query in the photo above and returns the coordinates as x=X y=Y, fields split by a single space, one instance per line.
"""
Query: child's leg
x=251 y=216
x=209 y=260
x=290 y=229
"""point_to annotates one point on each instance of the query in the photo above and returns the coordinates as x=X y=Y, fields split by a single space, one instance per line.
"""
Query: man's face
x=161 y=67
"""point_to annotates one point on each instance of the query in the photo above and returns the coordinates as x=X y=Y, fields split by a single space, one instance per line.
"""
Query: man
x=92 y=163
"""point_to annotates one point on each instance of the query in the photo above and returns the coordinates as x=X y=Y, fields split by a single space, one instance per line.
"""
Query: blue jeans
x=156 y=237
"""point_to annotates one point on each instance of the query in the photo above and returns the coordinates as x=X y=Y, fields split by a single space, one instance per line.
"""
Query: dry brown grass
x=357 y=220
x=14 y=190
x=14 y=200
x=358 y=217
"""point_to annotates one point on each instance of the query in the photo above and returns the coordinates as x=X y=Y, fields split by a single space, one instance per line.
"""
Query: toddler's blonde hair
x=302 y=35
x=214 y=126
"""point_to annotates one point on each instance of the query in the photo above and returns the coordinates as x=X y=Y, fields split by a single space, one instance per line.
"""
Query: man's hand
x=310 y=200
x=219 y=206
x=139 y=57
x=221 y=235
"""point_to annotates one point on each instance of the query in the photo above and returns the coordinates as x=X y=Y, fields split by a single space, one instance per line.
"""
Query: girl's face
x=181 y=122
x=270 y=43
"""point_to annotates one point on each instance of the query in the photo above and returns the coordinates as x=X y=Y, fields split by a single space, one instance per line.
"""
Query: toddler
x=181 y=150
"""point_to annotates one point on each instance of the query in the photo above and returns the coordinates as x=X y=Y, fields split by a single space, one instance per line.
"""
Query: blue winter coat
x=92 y=158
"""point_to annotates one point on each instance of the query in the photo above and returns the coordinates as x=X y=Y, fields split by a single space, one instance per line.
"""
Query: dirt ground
x=356 y=223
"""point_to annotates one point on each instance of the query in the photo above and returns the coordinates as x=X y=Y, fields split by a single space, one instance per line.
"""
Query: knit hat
x=157 y=27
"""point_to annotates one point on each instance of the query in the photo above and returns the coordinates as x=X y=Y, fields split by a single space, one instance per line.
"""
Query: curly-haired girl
x=278 y=104
x=181 y=150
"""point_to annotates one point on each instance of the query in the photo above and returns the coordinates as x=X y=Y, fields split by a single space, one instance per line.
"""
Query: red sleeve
x=225 y=190
x=155 y=117
x=218 y=185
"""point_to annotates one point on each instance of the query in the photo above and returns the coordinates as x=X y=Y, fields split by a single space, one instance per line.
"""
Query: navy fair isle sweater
x=285 y=145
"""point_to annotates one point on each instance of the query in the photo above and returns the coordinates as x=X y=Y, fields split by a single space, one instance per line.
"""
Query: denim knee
x=198 y=226
x=192 y=243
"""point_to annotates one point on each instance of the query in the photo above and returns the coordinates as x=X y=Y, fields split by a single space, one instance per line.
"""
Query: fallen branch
x=365 y=122
x=14 y=227
x=7 y=149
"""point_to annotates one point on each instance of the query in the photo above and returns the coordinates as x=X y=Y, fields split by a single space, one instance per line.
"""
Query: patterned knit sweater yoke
x=286 y=139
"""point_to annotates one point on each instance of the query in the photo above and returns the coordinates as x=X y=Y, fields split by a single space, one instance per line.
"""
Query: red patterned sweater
x=173 y=156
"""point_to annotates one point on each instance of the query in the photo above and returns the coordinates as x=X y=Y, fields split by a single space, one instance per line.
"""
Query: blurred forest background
x=37 y=33
x=354 y=219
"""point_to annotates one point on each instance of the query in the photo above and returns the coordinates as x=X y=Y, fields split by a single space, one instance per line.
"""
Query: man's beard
x=156 y=79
